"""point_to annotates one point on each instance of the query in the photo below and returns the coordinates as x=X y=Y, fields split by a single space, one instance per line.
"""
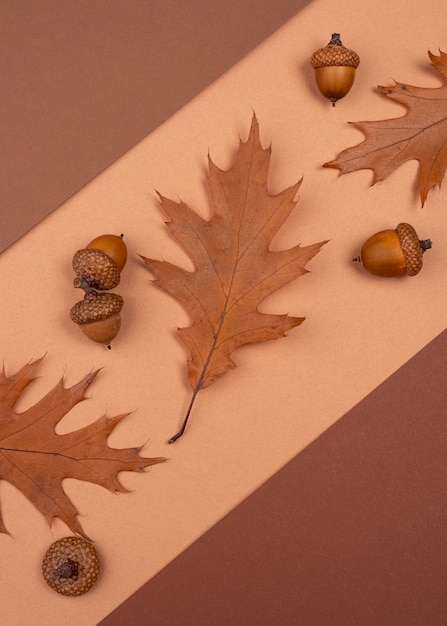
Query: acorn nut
x=113 y=246
x=335 y=68
x=98 y=316
x=396 y=252
x=71 y=566
x=99 y=264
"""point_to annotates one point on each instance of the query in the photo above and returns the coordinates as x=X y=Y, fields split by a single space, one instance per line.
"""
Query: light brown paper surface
x=284 y=394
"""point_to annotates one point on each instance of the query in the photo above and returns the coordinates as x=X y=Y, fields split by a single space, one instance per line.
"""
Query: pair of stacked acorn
x=98 y=269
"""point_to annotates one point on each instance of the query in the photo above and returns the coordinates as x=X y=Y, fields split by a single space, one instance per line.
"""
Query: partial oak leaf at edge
x=235 y=270
x=420 y=134
x=36 y=460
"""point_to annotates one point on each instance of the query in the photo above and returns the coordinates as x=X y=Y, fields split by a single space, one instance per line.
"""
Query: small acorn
x=71 y=566
x=396 y=252
x=335 y=68
x=99 y=264
x=98 y=316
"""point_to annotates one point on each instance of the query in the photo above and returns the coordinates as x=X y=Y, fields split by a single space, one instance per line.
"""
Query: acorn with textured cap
x=335 y=68
x=71 y=566
x=99 y=264
x=98 y=315
x=396 y=252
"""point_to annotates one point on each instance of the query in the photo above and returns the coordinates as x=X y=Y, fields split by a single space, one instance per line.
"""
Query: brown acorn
x=335 y=68
x=71 y=566
x=98 y=316
x=100 y=263
x=396 y=252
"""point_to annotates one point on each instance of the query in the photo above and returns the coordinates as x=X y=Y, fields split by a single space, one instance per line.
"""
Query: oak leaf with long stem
x=420 y=134
x=235 y=270
x=36 y=460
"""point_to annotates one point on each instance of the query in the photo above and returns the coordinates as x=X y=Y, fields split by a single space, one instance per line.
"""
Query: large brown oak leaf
x=420 y=134
x=36 y=460
x=235 y=270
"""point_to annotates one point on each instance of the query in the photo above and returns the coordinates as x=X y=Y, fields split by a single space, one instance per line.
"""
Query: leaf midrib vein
x=396 y=143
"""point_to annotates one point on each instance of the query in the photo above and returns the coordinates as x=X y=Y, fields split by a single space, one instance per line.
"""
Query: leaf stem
x=188 y=413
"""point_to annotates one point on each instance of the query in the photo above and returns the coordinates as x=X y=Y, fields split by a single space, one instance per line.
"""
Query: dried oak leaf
x=235 y=270
x=36 y=460
x=420 y=134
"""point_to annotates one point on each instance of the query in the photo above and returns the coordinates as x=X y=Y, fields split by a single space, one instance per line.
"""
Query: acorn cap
x=95 y=269
x=412 y=248
x=71 y=566
x=95 y=307
x=335 y=54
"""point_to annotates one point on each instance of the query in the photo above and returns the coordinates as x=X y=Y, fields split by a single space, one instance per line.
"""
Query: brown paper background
x=352 y=531
x=283 y=395
x=83 y=82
